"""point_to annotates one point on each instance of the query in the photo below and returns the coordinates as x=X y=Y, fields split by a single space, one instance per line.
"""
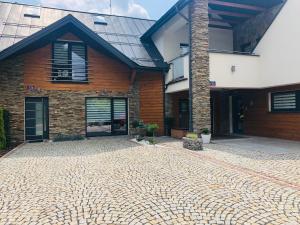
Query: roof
x=120 y=37
x=222 y=13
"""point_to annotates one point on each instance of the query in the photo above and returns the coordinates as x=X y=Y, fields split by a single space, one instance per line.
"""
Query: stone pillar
x=200 y=65
x=134 y=101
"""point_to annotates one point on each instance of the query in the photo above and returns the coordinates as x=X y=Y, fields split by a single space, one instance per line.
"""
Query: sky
x=150 y=9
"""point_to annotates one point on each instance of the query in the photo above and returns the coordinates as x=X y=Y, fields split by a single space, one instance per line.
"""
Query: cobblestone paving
x=114 y=181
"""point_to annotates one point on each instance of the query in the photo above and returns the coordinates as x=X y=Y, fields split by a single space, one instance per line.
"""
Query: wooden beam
x=236 y=5
x=223 y=21
x=216 y=23
x=232 y=14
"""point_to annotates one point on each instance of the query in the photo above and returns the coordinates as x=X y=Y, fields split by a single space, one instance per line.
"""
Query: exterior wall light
x=233 y=68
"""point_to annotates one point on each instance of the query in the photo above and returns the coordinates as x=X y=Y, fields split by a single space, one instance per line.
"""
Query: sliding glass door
x=106 y=116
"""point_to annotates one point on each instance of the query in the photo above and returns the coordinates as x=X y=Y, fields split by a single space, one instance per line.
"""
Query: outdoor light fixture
x=233 y=68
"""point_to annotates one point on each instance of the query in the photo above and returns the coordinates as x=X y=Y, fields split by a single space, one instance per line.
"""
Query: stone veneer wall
x=200 y=65
x=253 y=29
x=11 y=95
x=66 y=108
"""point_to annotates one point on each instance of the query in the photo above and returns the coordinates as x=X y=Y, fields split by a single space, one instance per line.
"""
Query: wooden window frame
x=70 y=44
x=296 y=110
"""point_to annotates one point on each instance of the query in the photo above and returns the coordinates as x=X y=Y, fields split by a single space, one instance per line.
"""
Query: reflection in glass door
x=120 y=116
x=36 y=119
x=106 y=116
x=98 y=111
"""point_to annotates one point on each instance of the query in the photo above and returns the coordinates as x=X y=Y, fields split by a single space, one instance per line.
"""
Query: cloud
x=119 y=7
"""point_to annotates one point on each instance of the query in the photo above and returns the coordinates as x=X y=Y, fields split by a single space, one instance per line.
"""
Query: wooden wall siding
x=260 y=122
x=107 y=74
x=70 y=37
x=151 y=99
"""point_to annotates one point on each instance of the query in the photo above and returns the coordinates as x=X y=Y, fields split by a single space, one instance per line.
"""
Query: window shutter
x=284 y=101
x=78 y=62
x=61 y=61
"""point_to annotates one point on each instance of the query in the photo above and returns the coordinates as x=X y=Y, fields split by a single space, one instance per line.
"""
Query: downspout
x=191 y=126
x=189 y=20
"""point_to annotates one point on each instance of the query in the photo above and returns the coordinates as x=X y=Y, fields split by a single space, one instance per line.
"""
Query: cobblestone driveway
x=113 y=181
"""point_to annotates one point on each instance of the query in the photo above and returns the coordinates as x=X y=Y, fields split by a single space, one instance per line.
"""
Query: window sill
x=70 y=81
x=284 y=112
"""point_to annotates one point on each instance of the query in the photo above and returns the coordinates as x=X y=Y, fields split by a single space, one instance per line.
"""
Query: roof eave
x=164 y=19
x=69 y=19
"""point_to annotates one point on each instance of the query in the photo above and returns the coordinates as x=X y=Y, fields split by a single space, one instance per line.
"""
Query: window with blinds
x=286 y=101
x=69 y=62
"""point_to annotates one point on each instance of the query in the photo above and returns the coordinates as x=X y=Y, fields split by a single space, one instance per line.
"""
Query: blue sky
x=152 y=9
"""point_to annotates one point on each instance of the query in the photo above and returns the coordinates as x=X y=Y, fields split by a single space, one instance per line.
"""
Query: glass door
x=36 y=119
x=184 y=114
x=98 y=116
x=106 y=116
x=120 y=116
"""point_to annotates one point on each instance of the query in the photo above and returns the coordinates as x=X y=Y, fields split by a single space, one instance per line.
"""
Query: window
x=33 y=12
x=285 y=101
x=69 y=62
x=100 y=20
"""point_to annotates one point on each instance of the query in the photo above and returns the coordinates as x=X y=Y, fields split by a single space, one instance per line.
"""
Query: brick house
x=227 y=65
x=67 y=72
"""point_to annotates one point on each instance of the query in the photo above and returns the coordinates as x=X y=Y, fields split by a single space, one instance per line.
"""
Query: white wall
x=280 y=48
x=246 y=74
x=169 y=37
x=220 y=39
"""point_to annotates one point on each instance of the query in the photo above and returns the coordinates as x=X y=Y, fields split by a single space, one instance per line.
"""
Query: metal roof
x=123 y=33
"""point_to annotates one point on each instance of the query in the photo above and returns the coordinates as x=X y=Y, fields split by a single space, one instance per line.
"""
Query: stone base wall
x=67 y=109
x=11 y=95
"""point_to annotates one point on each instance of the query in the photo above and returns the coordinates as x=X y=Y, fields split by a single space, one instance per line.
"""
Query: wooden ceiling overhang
x=228 y=13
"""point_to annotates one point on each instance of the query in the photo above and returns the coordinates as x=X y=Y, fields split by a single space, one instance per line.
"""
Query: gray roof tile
x=121 y=32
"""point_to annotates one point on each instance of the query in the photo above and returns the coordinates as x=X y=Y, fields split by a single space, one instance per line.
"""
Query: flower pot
x=206 y=138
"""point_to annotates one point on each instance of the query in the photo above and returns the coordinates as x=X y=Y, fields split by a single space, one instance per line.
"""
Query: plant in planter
x=151 y=129
x=192 y=142
x=206 y=136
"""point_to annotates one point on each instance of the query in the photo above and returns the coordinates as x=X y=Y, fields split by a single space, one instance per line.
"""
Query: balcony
x=178 y=75
x=234 y=70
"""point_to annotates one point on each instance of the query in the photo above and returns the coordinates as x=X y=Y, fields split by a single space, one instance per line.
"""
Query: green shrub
x=62 y=137
x=151 y=141
x=151 y=129
x=3 y=144
x=205 y=131
x=193 y=136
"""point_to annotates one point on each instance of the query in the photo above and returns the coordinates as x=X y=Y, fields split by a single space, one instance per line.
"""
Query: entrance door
x=106 y=116
x=36 y=119
x=184 y=114
x=238 y=114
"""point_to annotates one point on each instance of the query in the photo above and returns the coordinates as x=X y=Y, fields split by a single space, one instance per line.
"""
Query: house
x=76 y=73
x=227 y=65
x=234 y=66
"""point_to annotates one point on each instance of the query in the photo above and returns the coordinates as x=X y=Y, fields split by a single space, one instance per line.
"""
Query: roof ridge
x=77 y=11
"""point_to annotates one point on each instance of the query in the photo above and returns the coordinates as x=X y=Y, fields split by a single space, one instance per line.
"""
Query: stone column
x=200 y=65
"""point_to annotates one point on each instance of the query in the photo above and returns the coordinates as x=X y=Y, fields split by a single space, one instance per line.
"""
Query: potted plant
x=206 y=136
